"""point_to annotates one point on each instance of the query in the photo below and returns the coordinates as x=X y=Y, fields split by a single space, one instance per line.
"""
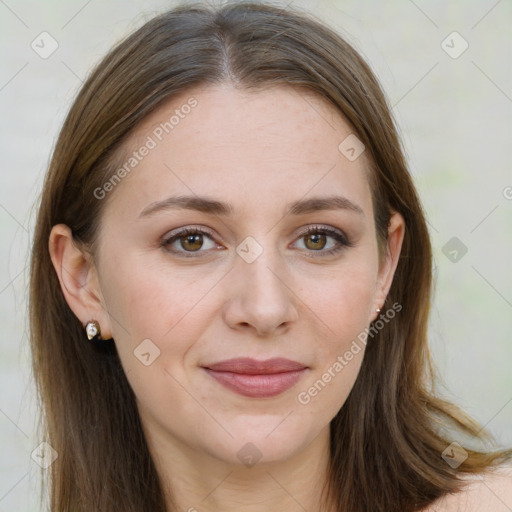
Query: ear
x=396 y=231
x=78 y=279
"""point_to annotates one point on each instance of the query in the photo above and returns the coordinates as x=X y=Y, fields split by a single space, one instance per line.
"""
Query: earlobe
x=77 y=277
x=396 y=233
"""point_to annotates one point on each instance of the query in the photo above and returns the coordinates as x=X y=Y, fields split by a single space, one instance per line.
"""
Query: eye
x=315 y=240
x=190 y=240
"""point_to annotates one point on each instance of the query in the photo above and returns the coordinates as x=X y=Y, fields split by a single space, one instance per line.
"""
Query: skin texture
x=489 y=492
x=257 y=151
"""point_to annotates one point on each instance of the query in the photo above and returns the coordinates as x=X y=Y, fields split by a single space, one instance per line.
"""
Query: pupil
x=316 y=240
x=193 y=240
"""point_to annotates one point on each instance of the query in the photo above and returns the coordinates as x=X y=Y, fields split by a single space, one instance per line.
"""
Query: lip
x=257 y=379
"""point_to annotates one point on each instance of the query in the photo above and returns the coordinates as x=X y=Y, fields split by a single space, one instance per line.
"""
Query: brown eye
x=191 y=242
x=315 y=241
x=322 y=241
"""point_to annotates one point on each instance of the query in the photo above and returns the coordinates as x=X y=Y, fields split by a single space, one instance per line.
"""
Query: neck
x=198 y=482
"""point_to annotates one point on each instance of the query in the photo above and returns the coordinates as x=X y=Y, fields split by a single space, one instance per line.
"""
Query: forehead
x=246 y=147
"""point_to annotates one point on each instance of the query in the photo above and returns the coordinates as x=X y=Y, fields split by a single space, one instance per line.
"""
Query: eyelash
x=341 y=239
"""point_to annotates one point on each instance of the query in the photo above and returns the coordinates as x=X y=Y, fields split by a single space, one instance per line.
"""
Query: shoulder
x=486 y=492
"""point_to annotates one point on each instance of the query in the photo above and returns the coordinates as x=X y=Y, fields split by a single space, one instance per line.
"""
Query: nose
x=260 y=296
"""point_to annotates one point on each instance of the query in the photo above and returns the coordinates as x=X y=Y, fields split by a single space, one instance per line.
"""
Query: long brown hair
x=386 y=440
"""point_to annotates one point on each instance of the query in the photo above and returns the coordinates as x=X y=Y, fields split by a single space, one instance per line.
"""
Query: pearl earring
x=92 y=329
x=378 y=310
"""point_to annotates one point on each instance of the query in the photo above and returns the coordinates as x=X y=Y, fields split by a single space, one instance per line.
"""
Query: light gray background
x=455 y=117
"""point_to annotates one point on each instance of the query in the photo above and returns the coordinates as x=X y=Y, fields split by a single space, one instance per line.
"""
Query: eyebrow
x=213 y=207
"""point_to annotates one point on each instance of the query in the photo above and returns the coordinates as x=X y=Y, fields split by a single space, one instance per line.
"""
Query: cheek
x=155 y=320
x=147 y=300
x=157 y=317
x=343 y=300
x=342 y=305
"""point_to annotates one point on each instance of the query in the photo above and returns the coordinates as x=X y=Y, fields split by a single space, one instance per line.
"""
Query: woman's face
x=247 y=173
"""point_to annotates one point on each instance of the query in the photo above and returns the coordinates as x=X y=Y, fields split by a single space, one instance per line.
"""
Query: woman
x=230 y=285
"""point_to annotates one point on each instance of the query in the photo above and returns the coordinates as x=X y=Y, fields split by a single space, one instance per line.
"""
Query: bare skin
x=489 y=492
x=258 y=152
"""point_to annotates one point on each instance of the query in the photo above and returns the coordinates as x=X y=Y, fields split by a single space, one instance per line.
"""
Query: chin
x=264 y=440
